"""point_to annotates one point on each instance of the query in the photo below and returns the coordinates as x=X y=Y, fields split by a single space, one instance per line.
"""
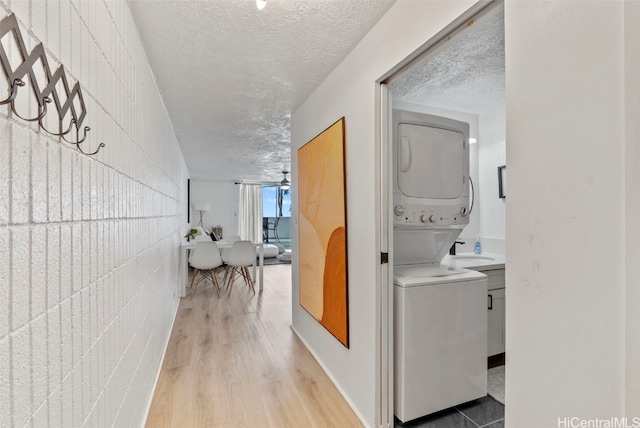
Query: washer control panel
x=416 y=215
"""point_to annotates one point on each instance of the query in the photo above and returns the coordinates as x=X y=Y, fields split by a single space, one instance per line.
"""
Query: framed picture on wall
x=502 y=181
x=322 y=230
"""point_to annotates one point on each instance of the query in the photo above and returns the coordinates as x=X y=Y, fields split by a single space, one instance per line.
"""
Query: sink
x=471 y=257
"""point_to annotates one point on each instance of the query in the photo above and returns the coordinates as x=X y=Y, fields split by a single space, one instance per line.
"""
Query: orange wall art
x=322 y=230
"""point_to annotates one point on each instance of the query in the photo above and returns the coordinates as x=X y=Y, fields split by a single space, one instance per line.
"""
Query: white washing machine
x=440 y=313
x=440 y=338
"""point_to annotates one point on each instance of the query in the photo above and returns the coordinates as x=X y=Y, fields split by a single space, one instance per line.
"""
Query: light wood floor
x=235 y=362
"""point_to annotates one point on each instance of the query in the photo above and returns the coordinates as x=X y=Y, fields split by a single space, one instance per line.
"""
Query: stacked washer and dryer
x=440 y=315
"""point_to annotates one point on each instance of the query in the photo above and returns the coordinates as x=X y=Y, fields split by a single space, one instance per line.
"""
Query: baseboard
x=333 y=380
x=164 y=353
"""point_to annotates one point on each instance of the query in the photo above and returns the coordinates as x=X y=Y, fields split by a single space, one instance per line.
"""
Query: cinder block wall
x=88 y=244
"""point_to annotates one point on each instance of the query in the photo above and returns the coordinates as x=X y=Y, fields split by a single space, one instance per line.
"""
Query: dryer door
x=430 y=162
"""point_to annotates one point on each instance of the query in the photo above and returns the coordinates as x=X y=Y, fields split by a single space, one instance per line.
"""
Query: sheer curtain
x=250 y=212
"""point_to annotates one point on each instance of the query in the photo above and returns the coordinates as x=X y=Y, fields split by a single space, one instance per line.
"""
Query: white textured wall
x=224 y=199
x=566 y=222
x=350 y=91
x=88 y=245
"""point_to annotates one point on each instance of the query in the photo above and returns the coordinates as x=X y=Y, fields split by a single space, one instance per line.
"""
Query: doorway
x=458 y=74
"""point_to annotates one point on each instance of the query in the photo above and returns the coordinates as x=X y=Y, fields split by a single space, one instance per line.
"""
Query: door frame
x=384 y=377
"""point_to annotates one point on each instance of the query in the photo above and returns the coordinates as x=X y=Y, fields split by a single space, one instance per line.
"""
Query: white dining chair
x=205 y=258
x=226 y=244
x=241 y=256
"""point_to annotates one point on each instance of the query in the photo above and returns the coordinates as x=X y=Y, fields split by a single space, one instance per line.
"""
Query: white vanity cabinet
x=491 y=265
x=496 y=314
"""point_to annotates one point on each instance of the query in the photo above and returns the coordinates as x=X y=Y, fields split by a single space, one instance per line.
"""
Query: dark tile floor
x=484 y=412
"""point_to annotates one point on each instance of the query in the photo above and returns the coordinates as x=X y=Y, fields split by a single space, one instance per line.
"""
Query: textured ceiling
x=230 y=75
x=467 y=74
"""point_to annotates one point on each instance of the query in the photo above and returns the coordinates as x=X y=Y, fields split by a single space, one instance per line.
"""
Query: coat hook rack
x=73 y=107
x=14 y=91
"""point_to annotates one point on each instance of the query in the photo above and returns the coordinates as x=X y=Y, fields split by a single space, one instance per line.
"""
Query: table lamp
x=202 y=207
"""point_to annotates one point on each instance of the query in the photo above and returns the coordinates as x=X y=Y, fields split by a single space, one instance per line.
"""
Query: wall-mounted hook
x=78 y=139
x=17 y=76
x=84 y=137
x=60 y=134
x=41 y=107
x=91 y=154
x=14 y=91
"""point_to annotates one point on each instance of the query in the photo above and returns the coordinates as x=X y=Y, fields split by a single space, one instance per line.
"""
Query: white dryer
x=440 y=338
x=440 y=313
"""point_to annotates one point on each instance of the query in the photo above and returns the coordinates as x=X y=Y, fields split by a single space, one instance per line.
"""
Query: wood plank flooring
x=235 y=362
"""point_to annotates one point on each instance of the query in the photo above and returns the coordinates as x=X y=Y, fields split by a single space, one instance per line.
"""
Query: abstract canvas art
x=322 y=230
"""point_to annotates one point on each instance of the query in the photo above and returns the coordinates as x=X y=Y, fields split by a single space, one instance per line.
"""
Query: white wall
x=571 y=340
x=492 y=153
x=224 y=199
x=350 y=91
x=632 y=188
x=88 y=245
x=566 y=220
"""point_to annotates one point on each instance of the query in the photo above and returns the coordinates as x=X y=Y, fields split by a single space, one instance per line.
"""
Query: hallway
x=235 y=362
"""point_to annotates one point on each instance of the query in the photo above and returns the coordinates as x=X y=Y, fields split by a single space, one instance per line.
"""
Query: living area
x=264 y=216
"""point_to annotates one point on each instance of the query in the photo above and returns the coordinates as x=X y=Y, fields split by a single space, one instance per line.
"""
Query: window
x=270 y=207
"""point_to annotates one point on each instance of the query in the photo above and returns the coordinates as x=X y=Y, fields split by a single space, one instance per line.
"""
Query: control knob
x=424 y=218
x=398 y=210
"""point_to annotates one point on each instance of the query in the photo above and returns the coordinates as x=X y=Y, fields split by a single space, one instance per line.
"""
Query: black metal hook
x=14 y=91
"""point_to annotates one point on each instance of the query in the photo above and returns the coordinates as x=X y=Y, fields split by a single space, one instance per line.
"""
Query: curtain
x=250 y=212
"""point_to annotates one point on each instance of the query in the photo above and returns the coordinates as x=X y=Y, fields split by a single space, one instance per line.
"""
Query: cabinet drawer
x=495 y=278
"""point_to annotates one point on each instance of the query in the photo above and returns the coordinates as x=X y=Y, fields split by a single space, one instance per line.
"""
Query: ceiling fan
x=284 y=184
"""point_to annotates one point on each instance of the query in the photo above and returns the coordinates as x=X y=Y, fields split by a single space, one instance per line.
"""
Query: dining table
x=222 y=246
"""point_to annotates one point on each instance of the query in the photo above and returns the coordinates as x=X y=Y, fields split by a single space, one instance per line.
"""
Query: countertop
x=478 y=262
